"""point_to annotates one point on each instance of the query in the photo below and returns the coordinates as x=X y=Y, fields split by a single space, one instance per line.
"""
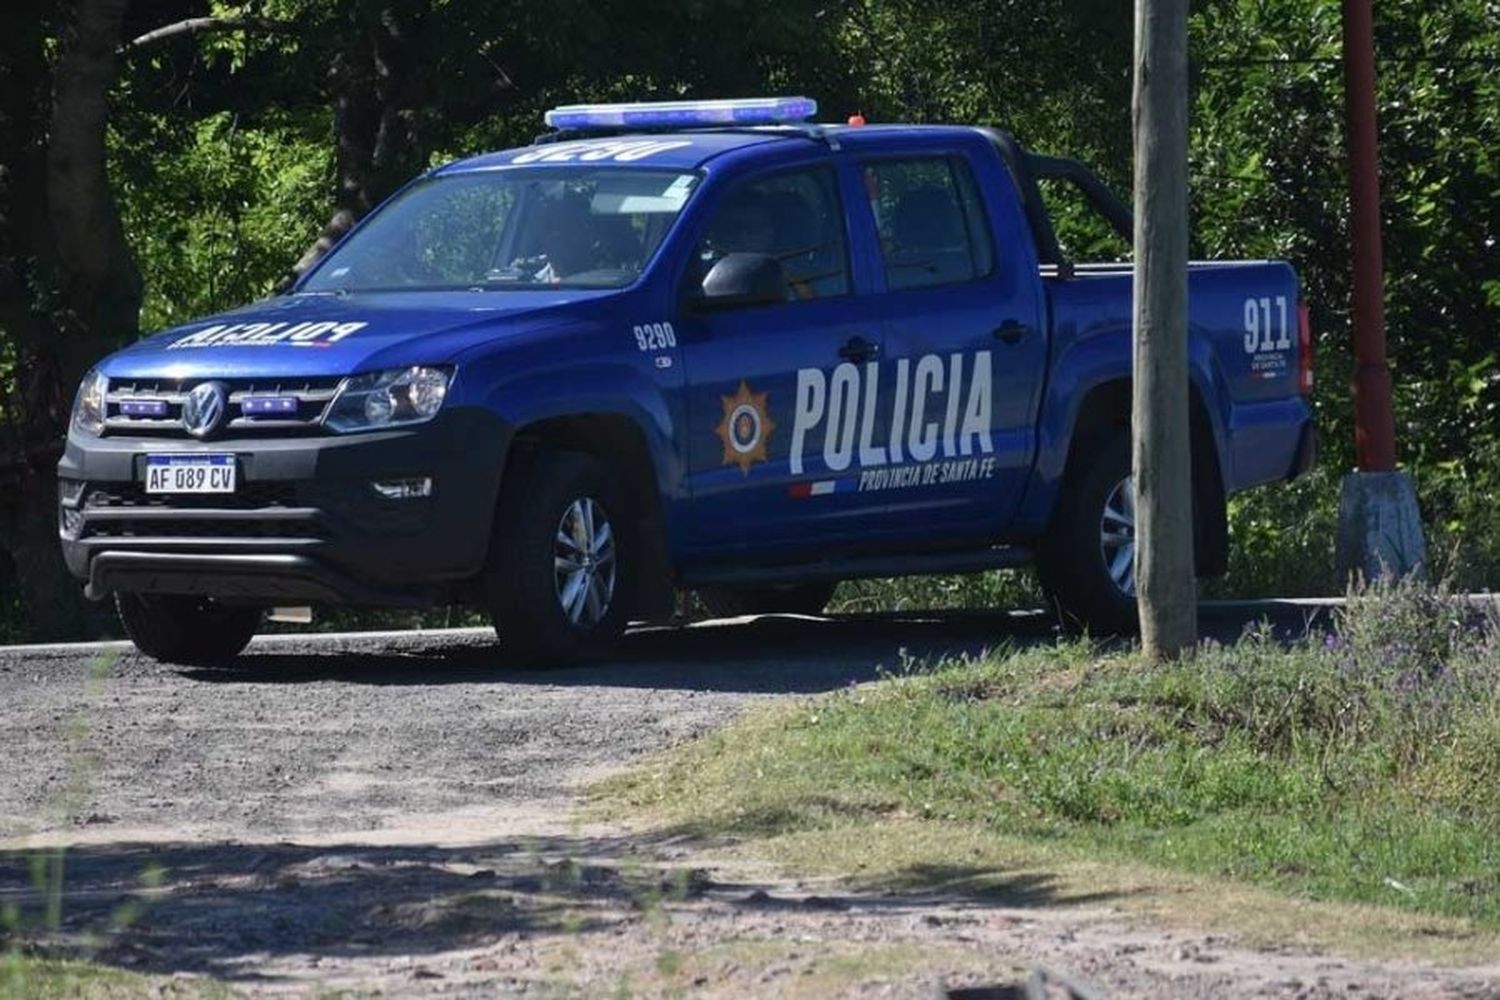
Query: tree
x=69 y=287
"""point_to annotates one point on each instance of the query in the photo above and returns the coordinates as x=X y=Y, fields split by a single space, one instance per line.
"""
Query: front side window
x=532 y=227
x=794 y=217
x=931 y=223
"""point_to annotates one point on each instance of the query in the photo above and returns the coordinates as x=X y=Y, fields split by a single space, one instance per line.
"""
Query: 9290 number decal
x=655 y=336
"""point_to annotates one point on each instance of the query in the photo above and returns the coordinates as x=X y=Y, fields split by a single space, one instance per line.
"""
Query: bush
x=1281 y=540
x=1463 y=521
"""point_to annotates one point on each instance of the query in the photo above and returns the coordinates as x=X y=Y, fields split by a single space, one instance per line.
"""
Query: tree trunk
x=1165 y=585
x=101 y=283
x=69 y=287
x=377 y=84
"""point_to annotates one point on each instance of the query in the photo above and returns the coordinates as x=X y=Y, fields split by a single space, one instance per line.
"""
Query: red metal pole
x=1374 y=424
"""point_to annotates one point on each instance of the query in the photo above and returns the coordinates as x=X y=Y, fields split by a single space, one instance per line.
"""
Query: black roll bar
x=1027 y=168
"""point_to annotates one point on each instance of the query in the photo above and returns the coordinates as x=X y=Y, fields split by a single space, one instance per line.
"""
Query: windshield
x=570 y=227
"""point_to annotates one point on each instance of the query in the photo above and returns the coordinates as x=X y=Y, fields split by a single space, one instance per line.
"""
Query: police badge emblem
x=745 y=428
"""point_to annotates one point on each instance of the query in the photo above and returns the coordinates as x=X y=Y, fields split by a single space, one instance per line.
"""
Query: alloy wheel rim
x=583 y=560
x=1117 y=536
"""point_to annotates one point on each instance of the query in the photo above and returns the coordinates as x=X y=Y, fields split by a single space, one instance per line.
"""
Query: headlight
x=389 y=399
x=88 y=407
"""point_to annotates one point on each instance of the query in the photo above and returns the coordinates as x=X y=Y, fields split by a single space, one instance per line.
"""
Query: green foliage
x=1462 y=517
x=1330 y=768
x=995 y=590
x=217 y=209
x=1282 y=541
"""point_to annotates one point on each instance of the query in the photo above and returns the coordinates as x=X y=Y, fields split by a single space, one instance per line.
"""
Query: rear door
x=965 y=345
x=756 y=460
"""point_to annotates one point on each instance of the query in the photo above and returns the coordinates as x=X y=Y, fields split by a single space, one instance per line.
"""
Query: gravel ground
x=395 y=813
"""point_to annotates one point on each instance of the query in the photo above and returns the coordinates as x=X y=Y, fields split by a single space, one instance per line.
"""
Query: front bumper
x=304 y=524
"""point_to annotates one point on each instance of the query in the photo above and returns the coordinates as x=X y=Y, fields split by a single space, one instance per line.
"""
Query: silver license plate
x=190 y=473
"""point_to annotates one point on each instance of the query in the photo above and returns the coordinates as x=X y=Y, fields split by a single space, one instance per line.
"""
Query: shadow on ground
x=231 y=910
x=770 y=654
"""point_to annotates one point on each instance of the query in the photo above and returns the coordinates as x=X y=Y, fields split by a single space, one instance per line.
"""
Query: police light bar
x=683 y=114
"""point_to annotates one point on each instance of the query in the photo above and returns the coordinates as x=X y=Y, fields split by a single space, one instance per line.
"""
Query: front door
x=764 y=381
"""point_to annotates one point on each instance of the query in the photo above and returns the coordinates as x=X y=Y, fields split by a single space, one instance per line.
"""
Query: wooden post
x=1374 y=421
x=1165 y=584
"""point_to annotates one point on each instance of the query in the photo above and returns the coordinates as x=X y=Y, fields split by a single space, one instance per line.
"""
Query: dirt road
x=397 y=814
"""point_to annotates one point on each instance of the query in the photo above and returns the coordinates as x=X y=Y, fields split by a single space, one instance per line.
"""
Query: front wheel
x=556 y=577
x=192 y=631
x=1086 y=561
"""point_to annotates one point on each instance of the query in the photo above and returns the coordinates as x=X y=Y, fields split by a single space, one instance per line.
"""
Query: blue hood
x=316 y=335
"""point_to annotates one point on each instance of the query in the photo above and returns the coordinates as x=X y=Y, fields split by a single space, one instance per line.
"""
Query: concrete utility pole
x=1165 y=585
x=1380 y=529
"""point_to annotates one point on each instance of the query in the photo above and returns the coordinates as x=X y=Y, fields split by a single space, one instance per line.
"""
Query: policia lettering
x=268 y=334
x=939 y=407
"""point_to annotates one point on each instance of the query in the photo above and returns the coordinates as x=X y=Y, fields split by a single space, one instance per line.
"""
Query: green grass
x=32 y=978
x=1364 y=767
x=997 y=589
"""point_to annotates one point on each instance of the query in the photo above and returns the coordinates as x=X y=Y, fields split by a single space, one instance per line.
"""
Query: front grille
x=310 y=512
x=156 y=528
x=247 y=496
x=273 y=510
x=154 y=406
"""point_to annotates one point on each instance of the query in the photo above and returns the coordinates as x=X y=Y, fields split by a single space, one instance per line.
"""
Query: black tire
x=1070 y=560
x=191 y=631
x=792 y=599
x=522 y=589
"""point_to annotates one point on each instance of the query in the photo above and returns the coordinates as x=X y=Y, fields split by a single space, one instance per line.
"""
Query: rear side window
x=932 y=226
x=794 y=217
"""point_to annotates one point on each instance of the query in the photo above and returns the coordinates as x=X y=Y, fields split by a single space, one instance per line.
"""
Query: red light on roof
x=856 y=120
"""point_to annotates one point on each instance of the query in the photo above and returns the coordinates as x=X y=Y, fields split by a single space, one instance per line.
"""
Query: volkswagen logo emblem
x=203 y=410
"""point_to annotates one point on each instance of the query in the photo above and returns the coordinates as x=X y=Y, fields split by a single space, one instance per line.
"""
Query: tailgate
x=1251 y=315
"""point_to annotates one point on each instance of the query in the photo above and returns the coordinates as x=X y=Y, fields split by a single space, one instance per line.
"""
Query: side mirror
x=744 y=279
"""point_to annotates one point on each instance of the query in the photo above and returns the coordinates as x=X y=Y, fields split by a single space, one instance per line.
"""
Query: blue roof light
x=684 y=114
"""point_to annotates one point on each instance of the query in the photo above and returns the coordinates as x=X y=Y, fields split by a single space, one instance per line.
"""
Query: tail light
x=1304 y=349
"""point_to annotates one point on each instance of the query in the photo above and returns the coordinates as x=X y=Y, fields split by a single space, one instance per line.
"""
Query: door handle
x=859 y=349
x=1011 y=331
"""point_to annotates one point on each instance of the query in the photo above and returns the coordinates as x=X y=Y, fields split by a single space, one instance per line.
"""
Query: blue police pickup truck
x=705 y=345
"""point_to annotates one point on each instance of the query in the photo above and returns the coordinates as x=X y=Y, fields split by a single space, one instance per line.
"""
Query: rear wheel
x=792 y=599
x=556 y=577
x=194 y=631
x=1086 y=561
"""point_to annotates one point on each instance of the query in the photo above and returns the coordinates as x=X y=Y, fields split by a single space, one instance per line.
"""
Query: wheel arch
x=619 y=443
x=1106 y=407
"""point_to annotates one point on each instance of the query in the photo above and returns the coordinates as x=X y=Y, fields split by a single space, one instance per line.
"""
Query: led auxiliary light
x=684 y=114
x=403 y=489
